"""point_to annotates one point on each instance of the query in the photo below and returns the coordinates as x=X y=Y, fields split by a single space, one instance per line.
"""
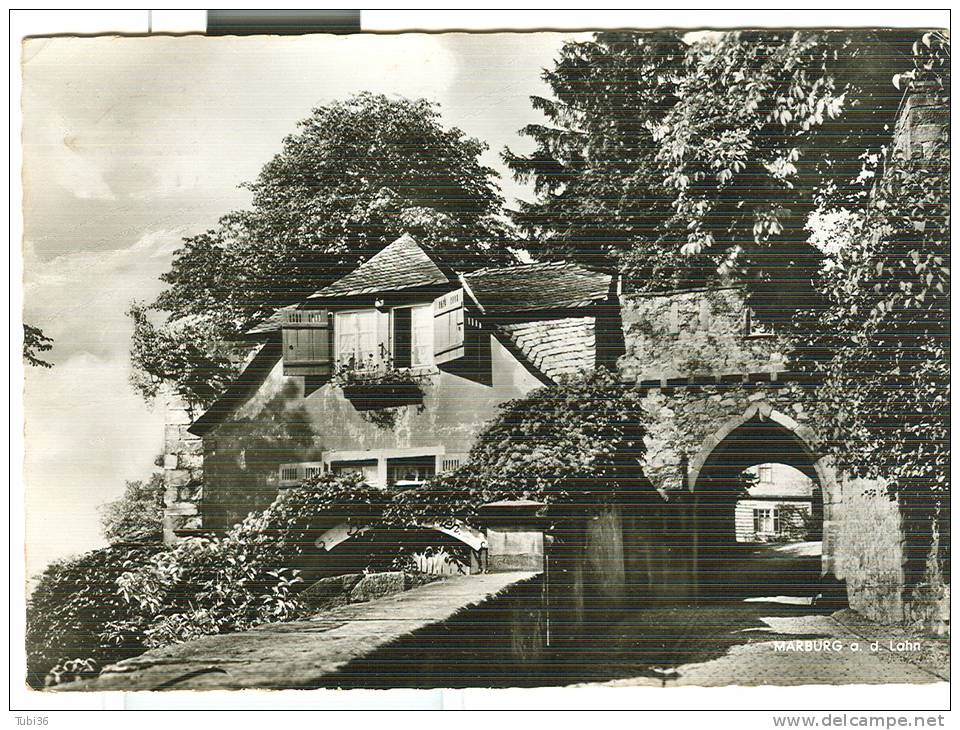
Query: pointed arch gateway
x=760 y=435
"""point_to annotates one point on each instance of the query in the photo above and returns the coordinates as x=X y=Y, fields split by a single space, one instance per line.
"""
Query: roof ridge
x=544 y=264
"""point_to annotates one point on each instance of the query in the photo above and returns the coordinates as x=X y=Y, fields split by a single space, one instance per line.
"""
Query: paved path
x=788 y=645
x=296 y=654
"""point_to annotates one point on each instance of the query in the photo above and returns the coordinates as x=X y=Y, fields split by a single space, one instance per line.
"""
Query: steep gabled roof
x=511 y=290
x=401 y=265
x=537 y=287
x=555 y=347
x=240 y=389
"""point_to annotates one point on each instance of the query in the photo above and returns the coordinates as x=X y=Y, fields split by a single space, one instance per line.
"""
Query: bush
x=245 y=578
x=72 y=603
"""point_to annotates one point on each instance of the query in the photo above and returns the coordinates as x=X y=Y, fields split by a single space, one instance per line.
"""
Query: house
x=390 y=372
x=393 y=370
x=778 y=506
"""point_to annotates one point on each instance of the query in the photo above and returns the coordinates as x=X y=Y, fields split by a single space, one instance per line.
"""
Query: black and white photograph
x=606 y=357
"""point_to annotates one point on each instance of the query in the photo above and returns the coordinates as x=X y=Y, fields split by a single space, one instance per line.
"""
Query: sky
x=130 y=144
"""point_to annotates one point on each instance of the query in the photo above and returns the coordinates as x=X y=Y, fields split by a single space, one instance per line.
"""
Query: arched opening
x=761 y=494
x=440 y=549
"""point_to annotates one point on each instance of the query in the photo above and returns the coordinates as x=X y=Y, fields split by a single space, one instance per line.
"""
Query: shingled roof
x=270 y=324
x=523 y=289
x=537 y=287
x=401 y=265
x=557 y=346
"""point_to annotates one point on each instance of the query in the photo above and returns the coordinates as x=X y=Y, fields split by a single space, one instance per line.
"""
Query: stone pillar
x=514 y=535
x=922 y=124
x=182 y=473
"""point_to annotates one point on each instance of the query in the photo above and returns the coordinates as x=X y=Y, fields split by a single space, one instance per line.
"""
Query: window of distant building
x=367 y=469
x=410 y=471
x=766 y=520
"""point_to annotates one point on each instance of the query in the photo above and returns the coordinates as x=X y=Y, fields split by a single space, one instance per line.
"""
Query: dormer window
x=356 y=337
x=413 y=336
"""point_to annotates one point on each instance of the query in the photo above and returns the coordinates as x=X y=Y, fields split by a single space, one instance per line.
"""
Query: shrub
x=245 y=578
x=72 y=603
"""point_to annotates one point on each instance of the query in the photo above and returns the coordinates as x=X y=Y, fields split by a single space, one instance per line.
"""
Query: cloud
x=86 y=433
x=80 y=299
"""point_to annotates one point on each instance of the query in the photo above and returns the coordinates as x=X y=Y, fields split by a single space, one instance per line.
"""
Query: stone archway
x=466 y=534
x=738 y=443
x=473 y=538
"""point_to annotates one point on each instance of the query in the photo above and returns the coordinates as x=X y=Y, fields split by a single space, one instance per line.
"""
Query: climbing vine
x=578 y=441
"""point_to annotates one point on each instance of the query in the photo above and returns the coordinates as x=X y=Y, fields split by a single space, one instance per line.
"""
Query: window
x=410 y=472
x=451 y=462
x=765 y=474
x=357 y=338
x=766 y=521
x=367 y=469
x=413 y=336
x=292 y=475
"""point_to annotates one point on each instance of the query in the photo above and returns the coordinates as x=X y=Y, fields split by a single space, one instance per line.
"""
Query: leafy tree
x=35 y=342
x=137 y=516
x=703 y=159
x=356 y=175
x=886 y=327
x=594 y=168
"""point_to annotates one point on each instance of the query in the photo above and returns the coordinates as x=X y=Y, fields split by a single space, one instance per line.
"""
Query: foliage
x=186 y=352
x=376 y=371
x=138 y=514
x=796 y=523
x=695 y=159
x=245 y=578
x=594 y=168
x=73 y=601
x=204 y=586
x=355 y=176
x=885 y=333
x=35 y=342
x=578 y=441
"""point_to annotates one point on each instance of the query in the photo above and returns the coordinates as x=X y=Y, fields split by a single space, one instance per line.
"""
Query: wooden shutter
x=449 y=336
x=307 y=342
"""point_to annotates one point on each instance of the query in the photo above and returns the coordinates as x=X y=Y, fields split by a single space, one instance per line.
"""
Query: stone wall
x=871 y=558
x=700 y=332
x=182 y=472
x=681 y=420
x=870 y=551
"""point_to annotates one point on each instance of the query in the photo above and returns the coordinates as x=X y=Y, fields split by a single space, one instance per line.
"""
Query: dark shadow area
x=500 y=644
x=728 y=568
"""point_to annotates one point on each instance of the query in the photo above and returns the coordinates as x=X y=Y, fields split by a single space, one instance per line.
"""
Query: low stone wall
x=500 y=642
x=435 y=636
x=359 y=587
